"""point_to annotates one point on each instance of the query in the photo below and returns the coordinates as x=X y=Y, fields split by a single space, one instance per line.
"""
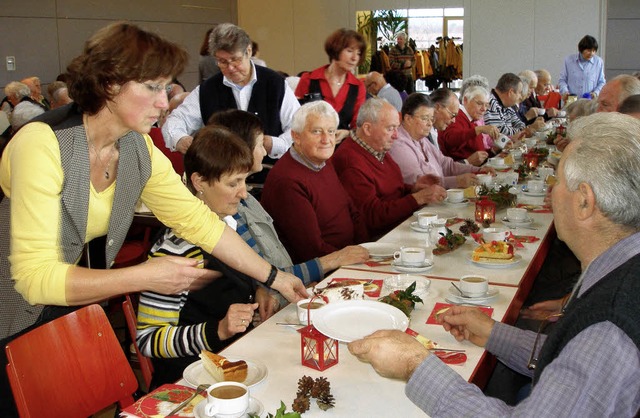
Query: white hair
x=319 y=108
x=23 y=113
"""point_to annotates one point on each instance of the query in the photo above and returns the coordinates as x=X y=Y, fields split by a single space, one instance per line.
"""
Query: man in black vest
x=589 y=364
x=239 y=85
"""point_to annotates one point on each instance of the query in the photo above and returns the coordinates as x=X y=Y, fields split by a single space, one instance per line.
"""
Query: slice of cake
x=222 y=369
x=494 y=252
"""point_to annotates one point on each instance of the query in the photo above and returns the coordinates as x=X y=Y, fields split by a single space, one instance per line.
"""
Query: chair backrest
x=177 y=159
x=146 y=367
x=72 y=366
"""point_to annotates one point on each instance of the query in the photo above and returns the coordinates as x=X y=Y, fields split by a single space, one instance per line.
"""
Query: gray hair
x=401 y=34
x=23 y=113
x=525 y=87
x=475 y=91
x=474 y=80
x=318 y=108
x=528 y=76
x=629 y=85
x=581 y=107
x=16 y=88
x=370 y=110
x=228 y=37
x=607 y=157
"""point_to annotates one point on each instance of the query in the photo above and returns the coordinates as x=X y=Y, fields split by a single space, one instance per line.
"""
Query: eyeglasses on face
x=156 y=88
x=451 y=114
x=235 y=61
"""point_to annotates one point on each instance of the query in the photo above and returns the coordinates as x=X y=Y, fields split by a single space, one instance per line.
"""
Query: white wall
x=500 y=35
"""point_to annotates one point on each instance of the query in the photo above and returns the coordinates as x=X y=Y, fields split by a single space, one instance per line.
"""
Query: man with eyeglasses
x=501 y=112
x=589 y=364
x=468 y=139
x=444 y=114
x=239 y=85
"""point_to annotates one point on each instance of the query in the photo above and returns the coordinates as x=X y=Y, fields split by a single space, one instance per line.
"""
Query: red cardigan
x=376 y=187
x=459 y=140
x=338 y=101
x=311 y=211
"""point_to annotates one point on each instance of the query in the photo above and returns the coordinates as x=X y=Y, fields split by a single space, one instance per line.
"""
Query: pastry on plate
x=222 y=369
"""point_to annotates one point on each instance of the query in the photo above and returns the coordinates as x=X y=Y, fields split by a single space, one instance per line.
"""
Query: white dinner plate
x=498 y=167
x=454 y=295
x=380 y=249
x=507 y=222
x=534 y=194
x=426 y=266
x=515 y=260
x=351 y=320
x=416 y=227
x=195 y=374
x=255 y=407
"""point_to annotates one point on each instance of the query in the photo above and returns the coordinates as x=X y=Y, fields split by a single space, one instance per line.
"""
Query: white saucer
x=442 y=212
x=535 y=194
x=498 y=167
x=380 y=249
x=425 y=266
x=507 y=222
x=454 y=295
x=255 y=407
x=462 y=203
x=416 y=227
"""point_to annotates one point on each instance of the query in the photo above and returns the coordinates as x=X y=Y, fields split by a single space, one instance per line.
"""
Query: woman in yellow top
x=77 y=176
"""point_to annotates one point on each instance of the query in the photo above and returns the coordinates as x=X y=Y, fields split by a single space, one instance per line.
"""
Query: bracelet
x=272 y=276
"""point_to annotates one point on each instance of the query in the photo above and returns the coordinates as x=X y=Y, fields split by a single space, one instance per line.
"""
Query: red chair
x=133 y=251
x=177 y=160
x=72 y=366
x=146 y=367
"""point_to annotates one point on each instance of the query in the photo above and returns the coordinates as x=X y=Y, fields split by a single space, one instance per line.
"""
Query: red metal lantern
x=317 y=350
x=485 y=210
x=531 y=160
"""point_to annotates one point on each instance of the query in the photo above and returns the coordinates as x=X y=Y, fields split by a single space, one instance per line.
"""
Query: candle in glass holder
x=531 y=160
x=485 y=210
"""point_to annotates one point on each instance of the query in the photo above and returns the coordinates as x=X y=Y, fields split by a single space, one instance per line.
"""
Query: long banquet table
x=357 y=388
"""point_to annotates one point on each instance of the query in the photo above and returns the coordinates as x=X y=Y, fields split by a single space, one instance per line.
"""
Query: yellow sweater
x=31 y=176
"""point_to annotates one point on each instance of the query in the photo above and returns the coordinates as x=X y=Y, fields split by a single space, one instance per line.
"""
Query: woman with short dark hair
x=583 y=73
x=335 y=83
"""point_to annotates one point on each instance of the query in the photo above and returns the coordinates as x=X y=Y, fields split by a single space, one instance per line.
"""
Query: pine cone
x=326 y=402
x=304 y=385
x=321 y=387
x=301 y=404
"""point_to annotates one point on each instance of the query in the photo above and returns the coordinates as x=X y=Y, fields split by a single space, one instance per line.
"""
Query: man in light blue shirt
x=583 y=73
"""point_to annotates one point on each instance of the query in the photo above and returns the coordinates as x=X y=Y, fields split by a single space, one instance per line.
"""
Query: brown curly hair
x=115 y=55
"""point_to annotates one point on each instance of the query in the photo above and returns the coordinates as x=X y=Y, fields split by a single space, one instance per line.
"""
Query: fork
x=199 y=389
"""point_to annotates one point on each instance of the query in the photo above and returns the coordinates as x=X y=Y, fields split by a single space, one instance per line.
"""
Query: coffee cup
x=562 y=114
x=305 y=306
x=541 y=112
x=494 y=234
x=516 y=154
x=474 y=285
x=455 y=195
x=410 y=256
x=496 y=161
x=530 y=142
x=230 y=399
x=501 y=141
x=535 y=186
x=426 y=218
x=545 y=172
x=516 y=214
x=486 y=179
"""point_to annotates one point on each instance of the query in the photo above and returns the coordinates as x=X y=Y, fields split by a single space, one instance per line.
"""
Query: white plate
x=195 y=373
x=255 y=407
x=463 y=203
x=416 y=227
x=498 y=167
x=515 y=260
x=534 y=194
x=351 y=320
x=516 y=223
x=426 y=266
x=380 y=249
x=454 y=295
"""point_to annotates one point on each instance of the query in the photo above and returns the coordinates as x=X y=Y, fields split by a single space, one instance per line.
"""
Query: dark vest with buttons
x=615 y=298
x=265 y=102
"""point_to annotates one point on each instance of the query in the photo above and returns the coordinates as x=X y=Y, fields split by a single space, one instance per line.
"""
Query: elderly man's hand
x=487 y=170
x=552 y=112
x=430 y=194
x=183 y=144
x=466 y=323
x=426 y=181
x=531 y=113
x=477 y=158
x=539 y=124
x=392 y=353
x=490 y=130
x=561 y=143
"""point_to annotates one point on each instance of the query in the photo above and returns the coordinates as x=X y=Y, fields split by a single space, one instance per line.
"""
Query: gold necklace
x=331 y=75
x=93 y=147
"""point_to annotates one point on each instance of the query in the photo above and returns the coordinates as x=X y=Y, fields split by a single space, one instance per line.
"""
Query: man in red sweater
x=312 y=212
x=372 y=178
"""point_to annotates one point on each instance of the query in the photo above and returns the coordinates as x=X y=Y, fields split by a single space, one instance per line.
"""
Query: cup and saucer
x=517 y=216
x=411 y=260
x=255 y=408
x=460 y=203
